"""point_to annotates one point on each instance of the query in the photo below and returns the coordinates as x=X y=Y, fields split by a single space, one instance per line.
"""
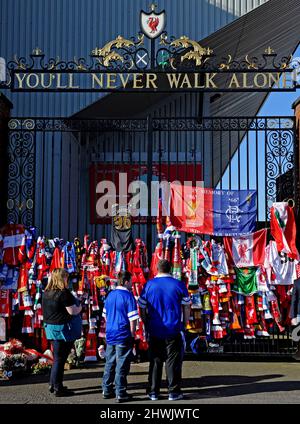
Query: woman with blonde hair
x=60 y=308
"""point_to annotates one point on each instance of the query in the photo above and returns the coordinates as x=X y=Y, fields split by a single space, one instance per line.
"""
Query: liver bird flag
x=201 y=210
x=247 y=250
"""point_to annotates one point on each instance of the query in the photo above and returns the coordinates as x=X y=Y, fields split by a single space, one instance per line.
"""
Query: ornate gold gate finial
x=269 y=50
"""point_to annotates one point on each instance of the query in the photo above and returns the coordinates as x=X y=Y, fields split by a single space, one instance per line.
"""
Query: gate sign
x=153 y=24
x=170 y=64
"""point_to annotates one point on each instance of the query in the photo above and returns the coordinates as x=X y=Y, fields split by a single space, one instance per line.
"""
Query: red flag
x=157 y=255
x=187 y=209
x=247 y=250
x=159 y=218
x=283 y=228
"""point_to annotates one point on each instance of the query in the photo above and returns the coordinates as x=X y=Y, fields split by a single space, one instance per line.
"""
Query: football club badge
x=152 y=24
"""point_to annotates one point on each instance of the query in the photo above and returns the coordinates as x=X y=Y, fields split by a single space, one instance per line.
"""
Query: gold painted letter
x=234 y=80
x=173 y=80
x=18 y=76
x=98 y=80
x=150 y=79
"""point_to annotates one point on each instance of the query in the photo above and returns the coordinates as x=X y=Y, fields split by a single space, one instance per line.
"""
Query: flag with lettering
x=201 y=210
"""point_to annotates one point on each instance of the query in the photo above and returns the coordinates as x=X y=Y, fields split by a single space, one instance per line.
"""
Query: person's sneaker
x=124 y=398
x=108 y=395
x=175 y=396
x=153 y=396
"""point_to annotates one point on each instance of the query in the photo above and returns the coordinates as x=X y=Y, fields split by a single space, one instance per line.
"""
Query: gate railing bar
x=52 y=185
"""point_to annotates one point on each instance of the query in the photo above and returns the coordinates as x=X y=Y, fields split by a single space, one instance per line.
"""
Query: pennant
x=283 y=228
x=248 y=250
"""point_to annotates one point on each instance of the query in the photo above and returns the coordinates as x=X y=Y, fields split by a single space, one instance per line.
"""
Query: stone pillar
x=5 y=108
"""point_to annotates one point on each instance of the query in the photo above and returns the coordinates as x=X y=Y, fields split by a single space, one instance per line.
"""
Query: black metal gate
x=55 y=165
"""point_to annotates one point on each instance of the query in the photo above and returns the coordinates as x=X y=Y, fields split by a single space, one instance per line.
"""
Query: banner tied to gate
x=201 y=210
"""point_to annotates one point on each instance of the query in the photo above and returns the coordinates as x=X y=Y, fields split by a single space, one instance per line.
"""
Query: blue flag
x=234 y=212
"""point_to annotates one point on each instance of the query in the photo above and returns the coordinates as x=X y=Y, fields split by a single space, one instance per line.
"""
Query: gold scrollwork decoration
x=163 y=39
x=140 y=38
x=251 y=64
x=107 y=54
x=197 y=51
x=269 y=51
x=20 y=65
x=53 y=65
x=79 y=66
x=226 y=65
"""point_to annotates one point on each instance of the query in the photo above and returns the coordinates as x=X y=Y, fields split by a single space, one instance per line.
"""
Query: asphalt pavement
x=204 y=382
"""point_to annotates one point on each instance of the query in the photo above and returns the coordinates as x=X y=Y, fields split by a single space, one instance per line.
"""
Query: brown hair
x=123 y=277
x=163 y=266
x=57 y=280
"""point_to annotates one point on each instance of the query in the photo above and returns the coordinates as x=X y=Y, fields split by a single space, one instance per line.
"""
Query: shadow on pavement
x=242 y=389
x=221 y=380
x=81 y=373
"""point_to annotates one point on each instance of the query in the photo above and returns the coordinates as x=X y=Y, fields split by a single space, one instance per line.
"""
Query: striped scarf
x=69 y=257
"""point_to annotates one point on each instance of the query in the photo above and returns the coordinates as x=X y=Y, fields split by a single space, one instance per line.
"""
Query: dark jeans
x=61 y=350
x=117 y=367
x=168 y=350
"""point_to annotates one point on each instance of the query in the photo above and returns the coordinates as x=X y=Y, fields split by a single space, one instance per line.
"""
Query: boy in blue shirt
x=163 y=303
x=120 y=312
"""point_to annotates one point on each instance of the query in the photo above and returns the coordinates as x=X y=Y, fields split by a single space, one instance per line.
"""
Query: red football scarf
x=5 y=308
x=157 y=256
x=250 y=311
x=275 y=310
x=27 y=327
x=214 y=300
x=91 y=341
x=41 y=260
x=57 y=259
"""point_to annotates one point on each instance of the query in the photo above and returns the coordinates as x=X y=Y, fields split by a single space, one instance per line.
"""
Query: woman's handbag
x=68 y=332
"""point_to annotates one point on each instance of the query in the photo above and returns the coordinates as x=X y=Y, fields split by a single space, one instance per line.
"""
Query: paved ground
x=204 y=382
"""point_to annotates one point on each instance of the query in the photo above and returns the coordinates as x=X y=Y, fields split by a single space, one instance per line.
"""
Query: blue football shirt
x=163 y=297
x=119 y=309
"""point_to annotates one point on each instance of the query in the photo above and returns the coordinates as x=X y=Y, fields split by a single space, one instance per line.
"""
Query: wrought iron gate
x=56 y=163
x=49 y=160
